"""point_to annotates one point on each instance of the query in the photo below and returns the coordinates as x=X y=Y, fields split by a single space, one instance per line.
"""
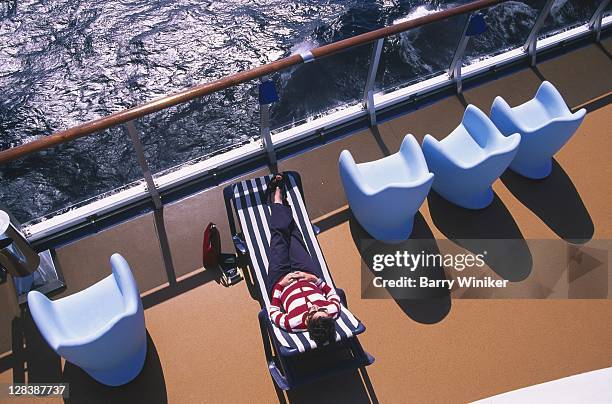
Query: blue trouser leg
x=299 y=257
x=287 y=252
x=280 y=238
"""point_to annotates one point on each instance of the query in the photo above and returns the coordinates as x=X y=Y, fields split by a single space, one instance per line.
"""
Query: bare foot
x=278 y=195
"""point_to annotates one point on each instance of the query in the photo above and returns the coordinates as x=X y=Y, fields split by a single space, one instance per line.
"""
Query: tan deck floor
x=205 y=339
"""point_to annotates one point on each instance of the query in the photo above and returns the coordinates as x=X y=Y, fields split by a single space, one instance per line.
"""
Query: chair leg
x=364 y=357
x=283 y=378
x=280 y=380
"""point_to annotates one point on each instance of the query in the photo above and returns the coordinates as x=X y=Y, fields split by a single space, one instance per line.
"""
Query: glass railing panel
x=508 y=26
x=420 y=53
x=567 y=14
x=200 y=128
x=62 y=178
x=314 y=89
x=310 y=90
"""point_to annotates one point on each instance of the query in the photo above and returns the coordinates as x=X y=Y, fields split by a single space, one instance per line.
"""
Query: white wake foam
x=409 y=53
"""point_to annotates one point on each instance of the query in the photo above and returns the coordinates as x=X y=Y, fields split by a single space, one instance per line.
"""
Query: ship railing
x=373 y=101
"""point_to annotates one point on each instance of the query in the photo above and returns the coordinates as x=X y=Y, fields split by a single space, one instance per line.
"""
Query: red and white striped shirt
x=295 y=300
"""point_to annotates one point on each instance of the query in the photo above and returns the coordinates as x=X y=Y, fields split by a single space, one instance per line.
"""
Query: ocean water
x=65 y=62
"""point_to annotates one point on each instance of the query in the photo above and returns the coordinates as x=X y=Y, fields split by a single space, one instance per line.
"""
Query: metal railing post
x=368 y=92
x=454 y=70
x=144 y=166
x=266 y=97
x=158 y=216
x=264 y=130
x=595 y=21
x=532 y=38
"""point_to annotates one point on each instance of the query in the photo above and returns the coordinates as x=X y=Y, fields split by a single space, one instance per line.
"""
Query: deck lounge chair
x=246 y=200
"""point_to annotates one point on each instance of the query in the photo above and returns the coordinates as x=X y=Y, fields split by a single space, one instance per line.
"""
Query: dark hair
x=322 y=330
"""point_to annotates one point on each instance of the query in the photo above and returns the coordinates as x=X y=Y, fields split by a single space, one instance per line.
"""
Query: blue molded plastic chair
x=545 y=124
x=385 y=194
x=470 y=159
x=100 y=329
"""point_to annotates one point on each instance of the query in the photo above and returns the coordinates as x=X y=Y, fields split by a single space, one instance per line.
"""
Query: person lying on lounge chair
x=300 y=299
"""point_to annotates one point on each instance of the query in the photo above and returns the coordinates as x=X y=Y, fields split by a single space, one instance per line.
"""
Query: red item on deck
x=211 y=246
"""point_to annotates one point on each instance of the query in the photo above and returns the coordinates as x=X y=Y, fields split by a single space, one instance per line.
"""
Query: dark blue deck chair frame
x=245 y=200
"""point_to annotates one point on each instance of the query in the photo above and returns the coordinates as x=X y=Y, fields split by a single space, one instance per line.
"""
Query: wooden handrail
x=201 y=90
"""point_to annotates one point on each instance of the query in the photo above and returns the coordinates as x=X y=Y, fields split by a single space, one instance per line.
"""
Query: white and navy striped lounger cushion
x=254 y=216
